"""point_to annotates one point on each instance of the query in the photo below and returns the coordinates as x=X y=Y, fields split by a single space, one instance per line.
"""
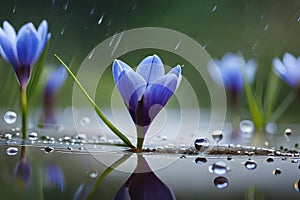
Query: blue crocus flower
x=54 y=176
x=230 y=69
x=288 y=69
x=144 y=184
x=22 y=170
x=22 y=50
x=55 y=82
x=146 y=90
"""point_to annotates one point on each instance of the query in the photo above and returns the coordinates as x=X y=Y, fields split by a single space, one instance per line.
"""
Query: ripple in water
x=12 y=151
x=219 y=168
x=221 y=182
x=250 y=164
x=10 y=117
x=201 y=144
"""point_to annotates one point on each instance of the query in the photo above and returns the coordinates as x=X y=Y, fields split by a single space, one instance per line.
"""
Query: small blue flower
x=54 y=176
x=146 y=90
x=55 y=82
x=22 y=50
x=22 y=170
x=230 y=69
x=288 y=69
x=144 y=184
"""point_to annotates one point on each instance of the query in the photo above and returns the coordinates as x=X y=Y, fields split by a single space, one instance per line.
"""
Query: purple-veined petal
x=118 y=67
x=151 y=68
x=8 y=49
x=158 y=93
x=250 y=70
x=177 y=71
x=131 y=86
x=27 y=45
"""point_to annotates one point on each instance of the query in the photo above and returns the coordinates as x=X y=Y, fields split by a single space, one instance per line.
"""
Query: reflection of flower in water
x=22 y=169
x=54 y=176
x=146 y=91
x=144 y=184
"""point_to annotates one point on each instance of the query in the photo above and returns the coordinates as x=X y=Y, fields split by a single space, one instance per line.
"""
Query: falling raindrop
x=14 y=9
x=93 y=174
x=250 y=164
x=33 y=136
x=269 y=160
x=62 y=31
x=200 y=160
x=219 y=168
x=298 y=20
x=91 y=54
x=85 y=121
x=92 y=11
x=217 y=135
x=177 y=45
x=109 y=23
x=296 y=185
x=276 y=172
x=100 y=19
x=49 y=149
x=10 y=117
x=221 y=182
x=201 y=144
x=254 y=45
x=271 y=128
x=112 y=40
x=12 y=151
x=266 y=27
x=214 y=8
x=66 y=6
x=247 y=127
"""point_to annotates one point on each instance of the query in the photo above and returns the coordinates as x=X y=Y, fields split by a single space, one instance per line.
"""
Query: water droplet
x=164 y=138
x=294 y=161
x=80 y=148
x=91 y=54
x=69 y=148
x=92 y=11
x=269 y=160
x=288 y=132
x=100 y=19
x=214 y=8
x=201 y=144
x=271 y=128
x=298 y=20
x=219 y=168
x=62 y=30
x=217 y=135
x=33 y=136
x=250 y=164
x=221 y=182
x=200 y=160
x=229 y=158
x=49 y=149
x=14 y=9
x=247 y=126
x=93 y=174
x=296 y=185
x=266 y=27
x=10 y=117
x=8 y=136
x=12 y=151
x=85 y=121
x=182 y=156
x=276 y=172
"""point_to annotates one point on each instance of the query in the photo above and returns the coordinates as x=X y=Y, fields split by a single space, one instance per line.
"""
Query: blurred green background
x=259 y=29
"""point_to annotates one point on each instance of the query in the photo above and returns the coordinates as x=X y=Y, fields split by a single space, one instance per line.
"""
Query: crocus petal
x=27 y=45
x=54 y=175
x=214 y=71
x=23 y=170
x=289 y=60
x=177 y=71
x=43 y=34
x=8 y=50
x=282 y=71
x=151 y=68
x=158 y=93
x=55 y=81
x=118 y=67
x=131 y=86
x=10 y=32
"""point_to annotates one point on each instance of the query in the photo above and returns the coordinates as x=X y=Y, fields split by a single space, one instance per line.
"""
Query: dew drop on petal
x=49 y=149
x=217 y=135
x=93 y=174
x=219 y=168
x=201 y=144
x=12 y=151
x=200 y=160
x=33 y=136
x=85 y=121
x=276 y=172
x=10 y=117
x=221 y=182
x=250 y=164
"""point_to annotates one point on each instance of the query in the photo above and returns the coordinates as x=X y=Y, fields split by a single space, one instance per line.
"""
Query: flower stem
x=97 y=109
x=24 y=111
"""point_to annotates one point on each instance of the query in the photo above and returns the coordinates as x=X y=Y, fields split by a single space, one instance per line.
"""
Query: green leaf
x=97 y=109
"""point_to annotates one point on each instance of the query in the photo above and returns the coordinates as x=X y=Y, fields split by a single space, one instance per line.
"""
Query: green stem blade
x=24 y=111
x=97 y=109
